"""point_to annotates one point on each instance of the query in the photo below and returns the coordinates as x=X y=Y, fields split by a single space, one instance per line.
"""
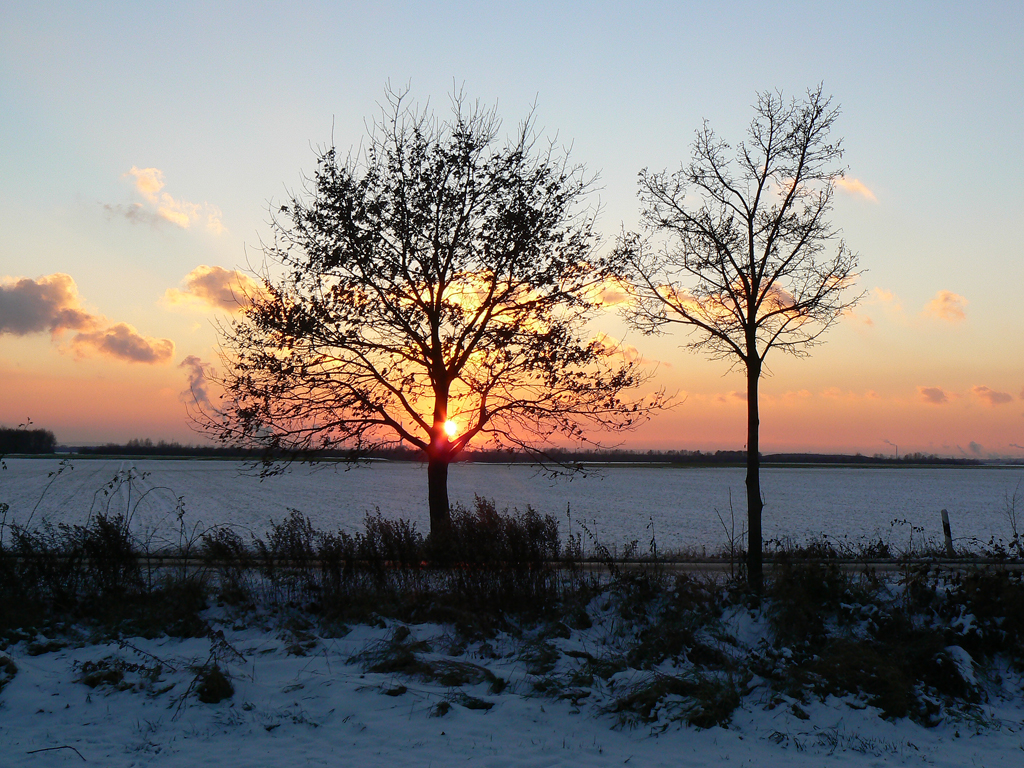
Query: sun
x=451 y=428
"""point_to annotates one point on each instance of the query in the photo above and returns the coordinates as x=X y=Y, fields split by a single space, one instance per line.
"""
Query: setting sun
x=451 y=428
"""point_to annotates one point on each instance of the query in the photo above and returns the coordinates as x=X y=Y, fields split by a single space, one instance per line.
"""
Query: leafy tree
x=437 y=289
x=747 y=259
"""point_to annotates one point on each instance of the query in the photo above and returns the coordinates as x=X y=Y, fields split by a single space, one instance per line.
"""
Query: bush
x=213 y=686
x=93 y=574
x=498 y=560
x=805 y=596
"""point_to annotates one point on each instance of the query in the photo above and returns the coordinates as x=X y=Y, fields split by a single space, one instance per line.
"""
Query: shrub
x=805 y=595
x=212 y=685
x=224 y=549
x=697 y=700
x=498 y=560
x=111 y=557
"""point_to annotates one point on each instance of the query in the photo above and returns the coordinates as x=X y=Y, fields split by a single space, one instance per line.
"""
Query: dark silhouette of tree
x=747 y=258
x=436 y=290
x=25 y=440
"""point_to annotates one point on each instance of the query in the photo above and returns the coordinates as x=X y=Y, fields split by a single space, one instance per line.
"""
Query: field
x=683 y=508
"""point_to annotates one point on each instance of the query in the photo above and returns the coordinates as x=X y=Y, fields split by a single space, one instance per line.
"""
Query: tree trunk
x=439 y=456
x=755 y=575
x=437 y=494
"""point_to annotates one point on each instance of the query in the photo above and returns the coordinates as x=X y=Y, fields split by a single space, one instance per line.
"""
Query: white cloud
x=198 y=374
x=161 y=206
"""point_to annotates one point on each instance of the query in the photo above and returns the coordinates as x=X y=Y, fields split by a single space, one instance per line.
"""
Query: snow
x=679 y=504
x=324 y=708
x=964 y=663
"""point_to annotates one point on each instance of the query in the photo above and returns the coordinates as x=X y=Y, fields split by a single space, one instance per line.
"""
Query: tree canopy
x=437 y=287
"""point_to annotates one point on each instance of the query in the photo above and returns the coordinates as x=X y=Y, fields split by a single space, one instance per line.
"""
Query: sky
x=141 y=145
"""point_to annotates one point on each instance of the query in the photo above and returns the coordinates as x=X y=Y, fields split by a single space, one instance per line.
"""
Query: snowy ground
x=859 y=504
x=323 y=708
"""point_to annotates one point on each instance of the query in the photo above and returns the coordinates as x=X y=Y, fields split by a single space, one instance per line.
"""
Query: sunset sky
x=141 y=145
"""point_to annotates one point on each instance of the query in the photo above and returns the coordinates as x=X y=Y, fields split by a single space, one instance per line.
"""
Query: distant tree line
x=687 y=457
x=27 y=441
x=146 y=447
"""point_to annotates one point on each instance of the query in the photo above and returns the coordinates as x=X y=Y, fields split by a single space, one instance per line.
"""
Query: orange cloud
x=215 y=287
x=836 y=393
x=50 y=303
x=882 y=296
x=888 y=300
x=610 y=293
x=149 y=183
x=856 y=317
x=733 y=396
x=933 y=395
x=856 y=187
x=609 y=346
x=122 y=342
x=947 y=306
x=991 y=396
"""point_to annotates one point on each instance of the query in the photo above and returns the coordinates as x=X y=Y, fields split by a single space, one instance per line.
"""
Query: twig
x=50 y=749
x=219 y=642
x=192 y=685
x=122 y=643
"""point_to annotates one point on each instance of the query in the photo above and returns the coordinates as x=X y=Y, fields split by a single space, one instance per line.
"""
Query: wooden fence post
x=948 y=534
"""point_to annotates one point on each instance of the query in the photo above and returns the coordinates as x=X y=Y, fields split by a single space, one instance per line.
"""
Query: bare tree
x=438 y=286
x=747 y=257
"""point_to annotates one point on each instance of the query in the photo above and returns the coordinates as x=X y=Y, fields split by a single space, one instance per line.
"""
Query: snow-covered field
x=324 y=708
x=618 y=505
x=305 y=694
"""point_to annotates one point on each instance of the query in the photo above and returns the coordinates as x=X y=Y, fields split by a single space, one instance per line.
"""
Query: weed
x=399 y=655
x=440 y=709
x=120 y=675
x=1013 y=509
x=804 y=596
x=472 y=702
x=540 y=657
